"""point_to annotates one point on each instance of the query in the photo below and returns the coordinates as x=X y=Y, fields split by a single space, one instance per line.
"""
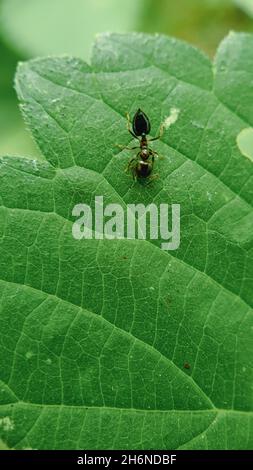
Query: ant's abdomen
x=143 y=169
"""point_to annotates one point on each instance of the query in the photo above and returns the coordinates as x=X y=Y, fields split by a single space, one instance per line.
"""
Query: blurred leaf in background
x=45 y=27
x=246 y=6
x=14 y=138
x=204 y=23
x=36 y=28
x=31 y=28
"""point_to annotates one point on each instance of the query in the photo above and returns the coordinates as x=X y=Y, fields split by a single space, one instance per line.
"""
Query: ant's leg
x=123 y=147
x=153 y=160
x=161 y=131
x=153 y=152
x=135 y=177
x=129 y=126
x=130 y=164
x=132 y=167
x=152 y=178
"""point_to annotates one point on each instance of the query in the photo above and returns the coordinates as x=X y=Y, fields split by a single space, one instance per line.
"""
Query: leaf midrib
x=216 y=411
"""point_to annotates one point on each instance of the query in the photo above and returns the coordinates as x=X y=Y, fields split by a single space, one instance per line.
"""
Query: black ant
x=141 y=166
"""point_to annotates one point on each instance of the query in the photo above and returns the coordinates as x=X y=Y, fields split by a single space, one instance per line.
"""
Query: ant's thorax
x=144 y=141
x=144 y=153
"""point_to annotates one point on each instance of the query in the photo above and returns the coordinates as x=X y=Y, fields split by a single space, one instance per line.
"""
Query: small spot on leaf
x=6 y=424
x=245 y=142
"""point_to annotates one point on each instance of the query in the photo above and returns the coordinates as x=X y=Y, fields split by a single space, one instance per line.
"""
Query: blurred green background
x=30 y=28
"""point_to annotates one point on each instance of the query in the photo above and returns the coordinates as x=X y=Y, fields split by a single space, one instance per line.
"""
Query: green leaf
x=95 y=333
